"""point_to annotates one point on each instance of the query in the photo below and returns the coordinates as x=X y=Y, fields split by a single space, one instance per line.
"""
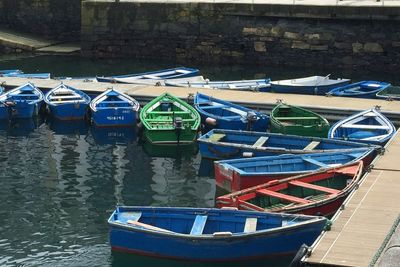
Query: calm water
x=61 y=181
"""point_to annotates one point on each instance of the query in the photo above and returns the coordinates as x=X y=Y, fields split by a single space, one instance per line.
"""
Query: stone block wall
x=242 y=33
x=60 y=19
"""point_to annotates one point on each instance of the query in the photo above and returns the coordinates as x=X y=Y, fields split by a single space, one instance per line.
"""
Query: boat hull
x=21 y=110
x=307 y=90
x=73 y=111
x=338 y=188
x=285 y=236
x=112 y=117
x=170 y=136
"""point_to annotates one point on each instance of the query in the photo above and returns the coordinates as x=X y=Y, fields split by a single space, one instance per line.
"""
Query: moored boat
x=368 y=126
x=28 y=75
x=159 y=81
x=201 y=234
x=224 y=144
x=173 y=73
x=262 y=85
x=22 y=102
x=288 y=119
x=113 y=108
x=67 y=103
x=216 y=113
x=2 y=72
x=389 y=93
x=238 y=174
x=168 y=120
x=317 y=193
x=363 y=89
x=313 y=85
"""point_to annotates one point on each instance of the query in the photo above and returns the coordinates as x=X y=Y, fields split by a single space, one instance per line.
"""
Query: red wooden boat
x=318 y=193
x=238 y=174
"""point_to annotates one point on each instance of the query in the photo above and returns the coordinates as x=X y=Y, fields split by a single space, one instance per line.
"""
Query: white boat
x=262 y=85
x=158 y=81
x=314 y=85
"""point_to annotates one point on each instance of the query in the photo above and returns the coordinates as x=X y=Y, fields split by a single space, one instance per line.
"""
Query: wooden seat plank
x=315 y=162
x=312 y=145
x=316 y=187
x=250 y=225
x=198 y=225
x=260 y=141
x=282 y=196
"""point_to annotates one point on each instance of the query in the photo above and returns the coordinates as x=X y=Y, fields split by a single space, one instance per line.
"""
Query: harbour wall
x=243 y=33
x=57 y=19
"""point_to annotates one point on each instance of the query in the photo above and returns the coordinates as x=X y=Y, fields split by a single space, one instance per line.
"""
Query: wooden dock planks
x=359 y=230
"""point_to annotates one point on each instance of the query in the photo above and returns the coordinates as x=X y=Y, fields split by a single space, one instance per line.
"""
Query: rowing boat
x=287 y=119
x=169 y=120
x=67 y=103
x=317 y=193
x=210 y=235
x=262 y=85
x=368 y=126
x=363 y=89
x=225 y=144
x=113 y=108
x=22 y=102
x=174 y=73
x=389 y=93
x=217 y=113
x=313 y=85
x=238 y=174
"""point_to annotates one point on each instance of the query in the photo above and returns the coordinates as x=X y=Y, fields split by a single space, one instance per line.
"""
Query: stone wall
x=244 y=34
x=50 y=18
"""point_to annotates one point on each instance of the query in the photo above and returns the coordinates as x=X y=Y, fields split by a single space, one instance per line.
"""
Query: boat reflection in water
x=114 y=135
x=125 y=259
x=206 y=168
x=170 y=151
x=19 y=127
x=68 y=127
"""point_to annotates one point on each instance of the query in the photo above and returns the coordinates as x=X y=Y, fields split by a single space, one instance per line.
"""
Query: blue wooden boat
x=28 y=75
x=2 y=72
x=238 y=174
x=113 y=108
x=67 y=103
x=262 y=85
x=368 y=126
x=313 y=85
x=22 y=102
x=363 y=89
x=220 y=144
x=213 y=235
x=226 y=115
x=174 y=73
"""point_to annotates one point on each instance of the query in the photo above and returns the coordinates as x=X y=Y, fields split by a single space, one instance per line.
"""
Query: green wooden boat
x=169 y=120
x=389 y=93
x=294 y=120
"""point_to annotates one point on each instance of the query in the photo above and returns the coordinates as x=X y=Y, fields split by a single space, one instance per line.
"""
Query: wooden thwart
x=198 y=225
x=315 y=187
x=282 y=196
x=250 y=225
x=261 y=141
x=312 y=145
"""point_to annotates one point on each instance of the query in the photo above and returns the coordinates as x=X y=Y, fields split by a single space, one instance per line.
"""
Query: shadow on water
x=125 y=259
x=206 y=168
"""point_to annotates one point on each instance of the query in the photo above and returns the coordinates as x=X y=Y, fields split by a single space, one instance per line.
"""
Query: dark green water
x=60 y=182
